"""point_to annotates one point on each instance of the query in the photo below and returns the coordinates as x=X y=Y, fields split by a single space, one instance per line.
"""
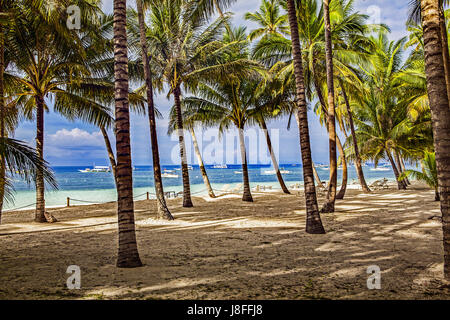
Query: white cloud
x=75 y=138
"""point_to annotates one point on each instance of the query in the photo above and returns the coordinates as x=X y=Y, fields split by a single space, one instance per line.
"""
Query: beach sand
x=229 y=249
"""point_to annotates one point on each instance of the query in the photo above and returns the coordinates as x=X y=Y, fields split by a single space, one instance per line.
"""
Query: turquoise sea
x=99 y=187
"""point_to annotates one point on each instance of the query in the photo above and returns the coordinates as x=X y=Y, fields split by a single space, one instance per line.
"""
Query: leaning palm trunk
x=331 y=196
x=112 y=158
x=440 y=113
x=341 y=193
x=399 y=167
x=247 y=195
x=128 y=255
x=445 y=51
x=358 y=165
x=400 y=184
x=274 y=159
x=187 y=202
x=163 y=211
x=402 y=167
x=2 y=119
x=201 y=165
x=316 y=176
x=40 y=187
x=313 y=221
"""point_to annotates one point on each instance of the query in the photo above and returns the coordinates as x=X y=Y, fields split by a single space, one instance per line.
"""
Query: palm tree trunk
x=128 y=255
x=399 y=167
x=436 y=195
x=2 y=118
x=440 y=113
x=187 y=202
x=331 y=196
x=316 y=176
x=402 y=166
x=40 y=187
x=445 y=51
x=402 y=169
x=247 y=195
x=112 y=158
x=358 y=165
x=201 y=164
x=400 y=184
x=272 y=156
x=162 y=212
x=341 y=193
x=313 y=221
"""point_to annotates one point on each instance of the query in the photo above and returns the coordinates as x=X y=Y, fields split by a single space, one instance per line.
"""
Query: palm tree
x=187 y=51
x=440 y=111
x=313 y=221
x=189 y=123
x=226 y=103
x=428 y=173
x=163 y=211
x=46 y=64
x=21 y=161
x=358 y=164
x=331 y=196
x=270 y=20
x=415 y=18
x=128 y=255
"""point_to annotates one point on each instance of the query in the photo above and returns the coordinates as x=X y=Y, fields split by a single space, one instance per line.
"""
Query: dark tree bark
x=343 y=189
x=187 y=202
x=247 y=195
x=313 y=221
x=40 y=187
x=399 y=168
x=445 y=51
x=128 y=255
x=440 y=113
x=109 y=150
x=274 y=159
x=331 y=196
x=401 y=185
x=162 y=209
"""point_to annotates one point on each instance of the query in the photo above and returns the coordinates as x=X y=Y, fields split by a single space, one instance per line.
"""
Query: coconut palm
x=270 y=20
x=415 y=18
x=230 y=102
x=163 y=211
x=128 y=255
x=331 y=118
x=440 y=111
x=21 y=161
x=186 y=51
x=45 y=64
x=313 y=221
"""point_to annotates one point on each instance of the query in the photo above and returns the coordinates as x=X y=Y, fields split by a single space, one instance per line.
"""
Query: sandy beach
x=228 y=249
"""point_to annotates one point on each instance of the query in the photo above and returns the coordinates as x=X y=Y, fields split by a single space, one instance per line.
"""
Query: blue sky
x=75 y=143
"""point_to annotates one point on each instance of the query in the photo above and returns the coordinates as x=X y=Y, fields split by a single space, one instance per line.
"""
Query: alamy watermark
x=74 y=17
x=74 y=280
x=374 y=280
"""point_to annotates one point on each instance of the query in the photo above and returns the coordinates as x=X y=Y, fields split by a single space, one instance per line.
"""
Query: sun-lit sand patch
x=349 y=272
x=229 y=249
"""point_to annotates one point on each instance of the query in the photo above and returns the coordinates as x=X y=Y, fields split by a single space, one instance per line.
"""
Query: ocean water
x=87 y=188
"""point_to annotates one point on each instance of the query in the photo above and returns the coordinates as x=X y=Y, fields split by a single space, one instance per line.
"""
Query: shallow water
x=99 y=187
